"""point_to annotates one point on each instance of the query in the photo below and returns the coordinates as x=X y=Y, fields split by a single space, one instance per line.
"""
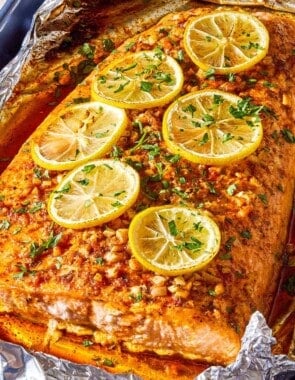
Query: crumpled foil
x=255 y=360
x=280 y=5
x=34 y=43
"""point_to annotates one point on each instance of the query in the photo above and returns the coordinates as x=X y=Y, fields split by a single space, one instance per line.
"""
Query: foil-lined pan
x=280 y=5
x=255 y=360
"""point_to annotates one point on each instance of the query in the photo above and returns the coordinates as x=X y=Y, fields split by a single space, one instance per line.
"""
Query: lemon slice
x=212 y=127
x=227 y=41
x=77 y=134
x=173 y=240
x=139 y=80
x=94 y=193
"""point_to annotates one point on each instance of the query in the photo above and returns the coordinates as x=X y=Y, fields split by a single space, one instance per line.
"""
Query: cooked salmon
x=87 y=282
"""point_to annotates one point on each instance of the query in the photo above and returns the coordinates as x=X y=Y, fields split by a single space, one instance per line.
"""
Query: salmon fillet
x=88 y=284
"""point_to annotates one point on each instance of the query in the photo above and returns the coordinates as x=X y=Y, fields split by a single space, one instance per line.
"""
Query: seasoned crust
x=217 y=301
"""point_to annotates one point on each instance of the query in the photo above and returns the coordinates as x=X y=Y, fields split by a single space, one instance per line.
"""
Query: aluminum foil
x=34 y=44
x=281 y=5
x=255 y=360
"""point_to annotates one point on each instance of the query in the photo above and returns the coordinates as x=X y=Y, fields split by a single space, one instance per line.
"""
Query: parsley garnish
x=24 y=271
x=87 y=50
x=246 y=234
x=172 y=228
x=4 y=225
x=87 y=343
x=108 y=44
x=146 y=86
x=37 y=249
x=88 y=168
x=288 y=135
x=263 y=198
x=231 y=189
x=289 y=285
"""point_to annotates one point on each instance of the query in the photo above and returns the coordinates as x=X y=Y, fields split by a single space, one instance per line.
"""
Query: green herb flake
x=129 y=46
x=208 y=120
x=116 y=152
x=172 y=158
x=108 y=363
x=231 y=189
x=172 y=228
x=180 y=56
x=37 y=206
x=190 y=109
x=218 y=99
x=116 y=204
x=83 y=182
x=87 y=343
x=23 y=271
x=87 y=50
x=99 y=260
x=263 y=198
x=37 y=249
x=288 y=135
x=204 y=139
x=246 y=234
x=146 y=86
x=88 y=168
x=137 y=297
x=121 y=86
x=227 y=137
x=198 y=226
x=269 y=84
x=231 y=77
x=209 y=74
x=211 y=188
x=4 y=225
x=108 y=45
x=289 y=285
x=180 y=193
x=229 y=243
x=81 y=100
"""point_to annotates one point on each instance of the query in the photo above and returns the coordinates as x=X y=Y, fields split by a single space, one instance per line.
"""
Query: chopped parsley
x=23 y=271
x=108 y=45
x=146 y=86
x=4 y=225
x=231 y=189
x=288 y=135
x=172 y=228
x=289 y=285
x=88 y=168
x=263 y=198
x=87 y=50
x=37 y=249
x=87 y=343
x=246 y=234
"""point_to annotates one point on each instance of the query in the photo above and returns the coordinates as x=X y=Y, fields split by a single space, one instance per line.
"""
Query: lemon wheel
x=212 y=127
x=77 y=134
x=94 y=193
x=139 y=80
x=226 y=41
x=173 y=240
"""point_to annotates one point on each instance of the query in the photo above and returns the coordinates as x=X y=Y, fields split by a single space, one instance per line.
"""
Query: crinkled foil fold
x=255 y=360
x=280 y=5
